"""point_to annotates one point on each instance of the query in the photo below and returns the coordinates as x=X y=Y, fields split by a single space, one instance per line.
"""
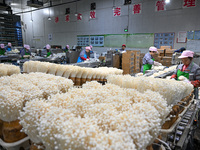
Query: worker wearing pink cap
x=188 y=69
x=2 y=49
x=25 y=51
x=83 y=56
x=46 y=52
x=9 y=47
x=66 y=49
x=148 y=59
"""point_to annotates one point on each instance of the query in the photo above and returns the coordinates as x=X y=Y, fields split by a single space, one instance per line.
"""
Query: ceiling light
x=49 y=18
x=167 y=1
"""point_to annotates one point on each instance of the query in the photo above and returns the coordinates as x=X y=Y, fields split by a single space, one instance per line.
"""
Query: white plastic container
x=23 y=143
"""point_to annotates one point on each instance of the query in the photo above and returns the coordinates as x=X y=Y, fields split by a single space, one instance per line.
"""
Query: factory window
x=90 y=40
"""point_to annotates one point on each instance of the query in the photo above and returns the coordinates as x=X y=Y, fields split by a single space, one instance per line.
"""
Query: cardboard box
x=116 y=61
x=165 y=47
x=102 y=58
x=160 y=51
x=167 y=59
x=137 y=70
x=167 y=64
x=168 y=54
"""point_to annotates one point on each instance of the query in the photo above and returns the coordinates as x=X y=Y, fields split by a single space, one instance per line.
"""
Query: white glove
x=156 y=63
x=87 y=59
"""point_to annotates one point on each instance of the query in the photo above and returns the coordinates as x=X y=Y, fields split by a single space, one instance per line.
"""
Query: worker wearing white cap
x=148 y=59
x=83 y=56
x=2 y=49
x=188 y=71
x=25 y=51
x=46 y=52
x=8 y=47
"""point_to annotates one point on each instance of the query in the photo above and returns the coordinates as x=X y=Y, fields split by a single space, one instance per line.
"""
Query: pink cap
x=9 y=44
x=186 y=54
x=2 y=46
x=153 y=49
x=88 y=47
x=91 y=46
x=67 y=46
x=26 y=46
x=48 y=46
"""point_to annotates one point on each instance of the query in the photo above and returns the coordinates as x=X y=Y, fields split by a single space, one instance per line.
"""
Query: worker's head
x=48 y=47
x=123 y=46
x=87 y=49
x=27 y=47
x=2 y=45
x=67 y=46
x=91 y=46
x=9 y=44
x=153 y=50
x=186 y=57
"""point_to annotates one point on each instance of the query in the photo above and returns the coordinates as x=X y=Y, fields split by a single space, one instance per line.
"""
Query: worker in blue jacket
x=83 y=56
x=9 y=47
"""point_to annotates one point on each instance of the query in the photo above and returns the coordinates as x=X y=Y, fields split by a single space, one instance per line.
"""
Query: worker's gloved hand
x=87 y=59
x=156 y=63
x=195 y=83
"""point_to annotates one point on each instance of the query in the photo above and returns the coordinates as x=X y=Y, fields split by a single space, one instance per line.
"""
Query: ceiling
x=21 y=5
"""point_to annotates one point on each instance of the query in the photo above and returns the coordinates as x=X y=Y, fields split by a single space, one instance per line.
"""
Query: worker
x=83 y=56
x=8 y=47
x=123 y=48
x=25 y=51
x=66 y=48
x=180 y=50
x=148 y=60
x=189 y=70
x=2 y=49
x=46 y=52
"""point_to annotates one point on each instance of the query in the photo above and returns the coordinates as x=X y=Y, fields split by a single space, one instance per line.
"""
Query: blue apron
x=8 y=49
x=81 y=60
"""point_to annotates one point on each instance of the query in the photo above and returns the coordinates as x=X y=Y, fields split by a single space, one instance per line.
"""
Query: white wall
x=174 y=19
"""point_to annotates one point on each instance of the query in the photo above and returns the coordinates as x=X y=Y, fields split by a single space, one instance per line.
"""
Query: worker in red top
x=83 y=56
x=189 y=70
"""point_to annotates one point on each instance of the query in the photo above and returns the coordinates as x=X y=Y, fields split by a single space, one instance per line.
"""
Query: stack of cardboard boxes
x=164 y=55
x=131 y=61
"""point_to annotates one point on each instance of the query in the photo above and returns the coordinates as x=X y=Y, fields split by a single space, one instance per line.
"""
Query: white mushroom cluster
x=173 y=91
x=8 y=70
x=95 y=117
x=79 y=75
x=15 y=90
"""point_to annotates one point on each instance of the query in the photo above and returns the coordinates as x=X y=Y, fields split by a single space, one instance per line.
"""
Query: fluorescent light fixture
x=14 y=4
x=49 y=18
x=167 y=1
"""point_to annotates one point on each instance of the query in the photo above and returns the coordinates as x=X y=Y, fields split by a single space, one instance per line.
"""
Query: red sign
x=56 y=19
x=160 y=5
x=67 y=18
x=79 y=16
x=117 y=12
x=137 y=8
x=189 y=3
x=92 y=14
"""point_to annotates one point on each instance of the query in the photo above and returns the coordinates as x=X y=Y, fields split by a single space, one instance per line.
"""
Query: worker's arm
x=196 y=82
x=174 y=76
x=149 y=59
x=83 y=58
